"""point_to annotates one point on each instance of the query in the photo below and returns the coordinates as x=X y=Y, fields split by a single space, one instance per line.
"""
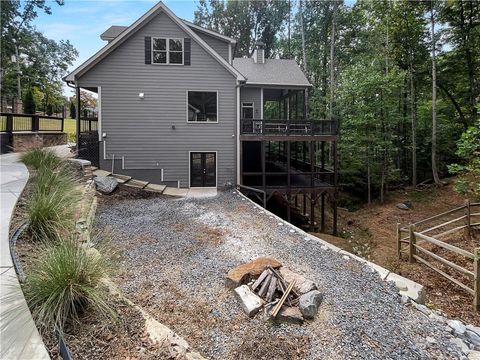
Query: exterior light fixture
x=141 y=95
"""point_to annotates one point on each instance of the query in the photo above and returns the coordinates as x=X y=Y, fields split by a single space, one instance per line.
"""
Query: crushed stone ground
x=175 y=255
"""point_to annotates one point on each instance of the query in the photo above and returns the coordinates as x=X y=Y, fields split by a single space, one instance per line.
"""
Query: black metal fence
x=88 y=144
x=30 y=123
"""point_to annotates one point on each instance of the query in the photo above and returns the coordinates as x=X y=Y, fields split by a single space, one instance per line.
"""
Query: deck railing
x=88 y=124
x=30 y=123
x=416 y=237
x=264 y=127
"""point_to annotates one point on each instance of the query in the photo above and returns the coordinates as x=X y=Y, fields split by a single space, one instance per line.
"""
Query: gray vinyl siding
x=221 y=47
x=252 y=95
x=152 y=133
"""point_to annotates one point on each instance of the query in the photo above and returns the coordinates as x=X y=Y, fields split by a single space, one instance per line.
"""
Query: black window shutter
x=187 y=43
x=148 y=50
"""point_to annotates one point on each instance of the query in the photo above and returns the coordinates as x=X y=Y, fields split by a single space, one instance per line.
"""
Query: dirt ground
x=370 y=232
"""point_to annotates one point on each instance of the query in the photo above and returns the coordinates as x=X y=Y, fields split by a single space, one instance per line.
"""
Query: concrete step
x=94 y=168
x=155 y=188
x=171 y=191
x=138 y=184
x=103 y=173
x=122 y=178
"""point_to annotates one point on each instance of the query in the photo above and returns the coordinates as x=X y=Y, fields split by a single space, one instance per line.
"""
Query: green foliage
x=468 y=150
x=245 y=21
x=29 y=106
x=42 y=61
x=41 y=159
x=51 y=208
x=72 y=110
x=64 y=282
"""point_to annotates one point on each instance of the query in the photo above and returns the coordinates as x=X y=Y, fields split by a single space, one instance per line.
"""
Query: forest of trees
x=402 y=78
x=32 y=65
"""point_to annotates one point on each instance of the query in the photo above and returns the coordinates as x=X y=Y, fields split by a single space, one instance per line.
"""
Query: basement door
x=203 y=169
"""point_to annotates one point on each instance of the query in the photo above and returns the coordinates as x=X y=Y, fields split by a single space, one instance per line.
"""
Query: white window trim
x=201 y=122
x=189 y=170
x=167 y=49
x=253 y=108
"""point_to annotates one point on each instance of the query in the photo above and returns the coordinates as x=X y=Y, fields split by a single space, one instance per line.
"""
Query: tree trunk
x=332 y=60
x=304 y=54
x=436 y=178
x=413 y=115
x=369 y=182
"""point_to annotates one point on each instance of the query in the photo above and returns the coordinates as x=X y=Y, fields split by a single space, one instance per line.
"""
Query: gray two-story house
x=175 y=108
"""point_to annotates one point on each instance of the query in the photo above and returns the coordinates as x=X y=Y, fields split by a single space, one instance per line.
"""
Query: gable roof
x=112 y=45
x=112 y=32
x=210 y=32
x=272 y=72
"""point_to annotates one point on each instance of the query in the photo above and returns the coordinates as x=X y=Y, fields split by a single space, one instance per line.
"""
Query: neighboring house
x=176 y=108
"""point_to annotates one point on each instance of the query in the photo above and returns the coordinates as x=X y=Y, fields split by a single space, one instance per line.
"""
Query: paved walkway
x=19 y=336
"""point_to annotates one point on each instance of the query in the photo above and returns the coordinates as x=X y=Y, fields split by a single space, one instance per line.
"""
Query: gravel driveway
x=176 y=253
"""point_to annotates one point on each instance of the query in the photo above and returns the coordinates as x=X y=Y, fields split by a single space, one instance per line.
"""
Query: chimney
x=259 y=53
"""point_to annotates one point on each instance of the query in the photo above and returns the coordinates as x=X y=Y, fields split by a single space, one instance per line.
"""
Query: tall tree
x=436 y=178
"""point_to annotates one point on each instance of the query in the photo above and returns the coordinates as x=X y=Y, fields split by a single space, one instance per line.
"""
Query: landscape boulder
x=251 y=303
x=302 y=284
x=105 y=184
x=309 y=303
x=403 y=206
x=242 y=273
x=291 y=315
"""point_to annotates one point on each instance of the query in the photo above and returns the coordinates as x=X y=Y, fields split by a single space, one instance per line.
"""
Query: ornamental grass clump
x=51 y=208
x=41 y=159
x=64 y=282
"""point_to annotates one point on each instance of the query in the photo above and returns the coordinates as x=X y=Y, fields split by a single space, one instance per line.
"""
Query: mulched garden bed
x=95 y=337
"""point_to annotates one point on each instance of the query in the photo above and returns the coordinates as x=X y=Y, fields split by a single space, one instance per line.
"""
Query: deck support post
x=264 y=170
x=322 y=213
x=289 y=185
x=77 y=116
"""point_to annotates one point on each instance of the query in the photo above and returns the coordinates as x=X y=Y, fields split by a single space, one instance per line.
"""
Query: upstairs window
x=167 y=51
x=202 y=106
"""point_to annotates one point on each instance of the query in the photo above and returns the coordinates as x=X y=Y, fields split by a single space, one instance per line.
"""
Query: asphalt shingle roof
x=112 y=32
x=272 y=72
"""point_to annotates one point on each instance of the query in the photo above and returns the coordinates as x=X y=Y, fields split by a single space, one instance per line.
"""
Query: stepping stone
x=171 y=191
x=103 y=173
x=93 y=168
x=139 y=184
x=121 y=178
x=155 y=188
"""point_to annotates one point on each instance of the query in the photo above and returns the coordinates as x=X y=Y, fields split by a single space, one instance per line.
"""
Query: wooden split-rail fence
x=410 y=239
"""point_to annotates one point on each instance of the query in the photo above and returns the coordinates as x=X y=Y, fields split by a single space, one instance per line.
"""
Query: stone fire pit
x=284 y=296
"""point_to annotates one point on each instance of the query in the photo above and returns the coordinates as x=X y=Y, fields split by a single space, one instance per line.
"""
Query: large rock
x=309 y=303
x=457 y=326
x=403 y=206
x=105 y=184
x=242 y=273
x=290 y=315
x=302 y=285
x=250 y=302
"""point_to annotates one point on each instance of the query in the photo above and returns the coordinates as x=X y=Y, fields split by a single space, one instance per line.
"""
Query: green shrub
x=64 y=282
x=41 y=158
x=51 y=208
